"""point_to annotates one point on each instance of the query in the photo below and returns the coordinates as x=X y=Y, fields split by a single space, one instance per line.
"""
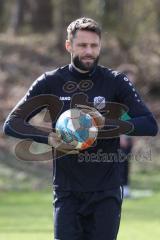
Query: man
x=87 y=186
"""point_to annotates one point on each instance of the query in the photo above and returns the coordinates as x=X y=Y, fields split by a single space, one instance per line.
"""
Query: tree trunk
x=42 y=15
x=18 y=9
x=2 y=21
x=65 y=14
x=114 y=11
x=157 y=9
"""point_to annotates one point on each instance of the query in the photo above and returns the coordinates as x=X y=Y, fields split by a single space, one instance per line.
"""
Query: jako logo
x=65 y=98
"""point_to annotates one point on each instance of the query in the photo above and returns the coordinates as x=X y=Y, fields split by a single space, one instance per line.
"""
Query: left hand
x=56 y=142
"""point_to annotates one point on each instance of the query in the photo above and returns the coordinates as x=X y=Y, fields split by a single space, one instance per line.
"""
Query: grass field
x=28 y=215
x=141 y=219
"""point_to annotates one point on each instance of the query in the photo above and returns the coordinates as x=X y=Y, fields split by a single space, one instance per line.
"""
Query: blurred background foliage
x=32 y=36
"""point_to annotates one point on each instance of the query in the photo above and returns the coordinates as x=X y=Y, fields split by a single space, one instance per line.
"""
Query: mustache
x=88 y=56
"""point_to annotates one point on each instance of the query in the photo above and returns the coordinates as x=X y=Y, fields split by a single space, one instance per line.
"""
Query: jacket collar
x=80 y=75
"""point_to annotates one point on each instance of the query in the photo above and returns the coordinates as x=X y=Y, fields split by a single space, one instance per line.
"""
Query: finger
x=55 y=136
x=93 y=112
x=85 y=107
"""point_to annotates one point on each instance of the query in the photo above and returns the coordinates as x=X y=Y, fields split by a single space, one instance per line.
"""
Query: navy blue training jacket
x=96 y=168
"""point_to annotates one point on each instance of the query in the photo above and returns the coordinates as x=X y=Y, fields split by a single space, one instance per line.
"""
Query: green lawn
x=28 y=216
x=141 y=219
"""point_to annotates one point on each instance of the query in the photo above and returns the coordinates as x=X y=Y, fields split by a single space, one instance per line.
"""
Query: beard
x=88 y=66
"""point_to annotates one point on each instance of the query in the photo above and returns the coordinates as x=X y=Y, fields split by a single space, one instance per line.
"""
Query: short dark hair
x=84 y=23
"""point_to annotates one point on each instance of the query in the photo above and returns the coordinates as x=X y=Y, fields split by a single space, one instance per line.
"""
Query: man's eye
x=94 y=45
x=82 y=45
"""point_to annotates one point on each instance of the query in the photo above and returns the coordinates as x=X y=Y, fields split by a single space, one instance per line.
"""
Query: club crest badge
x=99 y=102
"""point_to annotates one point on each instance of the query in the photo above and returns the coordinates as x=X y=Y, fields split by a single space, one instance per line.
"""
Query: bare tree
x=115 y=10
x=18 y=11
x=37 y=14
x=42 y=15
x=2 y=7
x=66 y=13
x=157 y=10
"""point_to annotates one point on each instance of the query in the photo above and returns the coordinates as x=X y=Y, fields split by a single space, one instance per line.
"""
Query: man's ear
x=68 y=46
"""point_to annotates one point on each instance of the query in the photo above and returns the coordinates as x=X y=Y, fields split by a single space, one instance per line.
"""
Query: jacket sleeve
x=139 y=115
x=17 y=123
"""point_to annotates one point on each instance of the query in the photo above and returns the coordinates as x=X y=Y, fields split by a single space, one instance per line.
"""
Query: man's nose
x=88 y=50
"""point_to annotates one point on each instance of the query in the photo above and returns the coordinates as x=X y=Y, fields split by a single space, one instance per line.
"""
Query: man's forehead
x=86 y=35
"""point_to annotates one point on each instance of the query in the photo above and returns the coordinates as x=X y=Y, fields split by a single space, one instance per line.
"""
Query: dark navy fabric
x=96 y=168
x=87 y=216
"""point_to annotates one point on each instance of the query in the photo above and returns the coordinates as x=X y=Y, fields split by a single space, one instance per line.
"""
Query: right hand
x=56 y=142
x=93 y=112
